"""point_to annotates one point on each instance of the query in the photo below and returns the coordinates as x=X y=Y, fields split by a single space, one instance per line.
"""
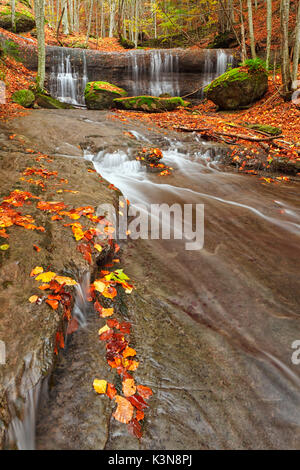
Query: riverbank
x=32 y=331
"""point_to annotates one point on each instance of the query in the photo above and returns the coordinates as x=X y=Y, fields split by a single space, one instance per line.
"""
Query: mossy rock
x=126 y=43
x=267 y=129
x=150 y=104
x=24 y=97
x=101 y=95
x=237 y=88
x=24 y=22
x=46 y=101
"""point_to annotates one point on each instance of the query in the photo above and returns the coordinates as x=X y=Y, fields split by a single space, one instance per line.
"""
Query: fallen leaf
x=33 y=298
x=100 y=385
x=124 y=411
x=144 y=391
x=129 y=352
x=36 y=270
x=106 y=312
x=68 y=281
x=52 y=303
x=103 y=330
x=4 y=247
x=46 y=277
x=128 y=387
x=111 y=391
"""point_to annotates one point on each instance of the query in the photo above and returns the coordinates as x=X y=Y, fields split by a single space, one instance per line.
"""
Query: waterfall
x=163 y=73
x=67 y=83
x=158 y=76
x=157 y=71
x=215 y=66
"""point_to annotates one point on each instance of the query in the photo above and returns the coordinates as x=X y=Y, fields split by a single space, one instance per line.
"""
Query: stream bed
x=213 y=327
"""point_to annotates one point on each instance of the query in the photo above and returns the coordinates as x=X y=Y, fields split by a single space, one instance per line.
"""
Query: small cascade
x=67 y=82
x=155 y=73
x=214 y=66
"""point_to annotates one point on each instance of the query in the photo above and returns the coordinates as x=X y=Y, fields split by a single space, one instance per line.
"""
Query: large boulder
x=101 y=95
x=46 y=101
x=150 y=104
x=238 y=88
x=24 y=97
x=24 y=22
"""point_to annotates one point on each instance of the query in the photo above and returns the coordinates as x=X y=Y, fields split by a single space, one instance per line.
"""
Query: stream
x=213 y=327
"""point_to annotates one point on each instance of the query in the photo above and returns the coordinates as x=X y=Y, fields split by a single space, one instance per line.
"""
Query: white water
x=67 y=83
x=162 y=76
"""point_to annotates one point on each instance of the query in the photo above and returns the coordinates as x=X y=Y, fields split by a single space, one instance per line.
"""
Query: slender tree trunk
x=269 y=31
x=251 y=29
x=13 y=15
x=285 y=61
x=243 y=39
x=40 y=27
x=65 y=21
x=90 y=22
x=296 y=51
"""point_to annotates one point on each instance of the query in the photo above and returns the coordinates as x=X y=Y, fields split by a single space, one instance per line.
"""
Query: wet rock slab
x=28 y=330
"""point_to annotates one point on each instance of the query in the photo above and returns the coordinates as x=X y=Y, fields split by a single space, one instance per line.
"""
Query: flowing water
x=163 y=74
x=67 y=82
x=234 y=303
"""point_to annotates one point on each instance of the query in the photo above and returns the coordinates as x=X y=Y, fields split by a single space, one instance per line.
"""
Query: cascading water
x=67 y=83
x=158 y=77
x=215 y=68
x=159 y=73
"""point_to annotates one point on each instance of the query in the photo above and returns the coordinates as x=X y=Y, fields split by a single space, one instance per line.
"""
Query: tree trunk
x=269 y=31
x=296 y=52
x=89 y=23
x=40 y=27
x=13 y=15
x=243 y=40
x=251 y=30
x=65 y=21
x=285 y=61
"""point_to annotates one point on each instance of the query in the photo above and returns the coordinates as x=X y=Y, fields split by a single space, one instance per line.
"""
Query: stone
x=24 y=22
x=237 y=88
x=46 y=101
x=101 y=95
x=151 y=104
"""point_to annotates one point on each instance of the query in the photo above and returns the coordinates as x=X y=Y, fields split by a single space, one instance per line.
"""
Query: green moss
x=126 y=43
x=228 y=77
x=24 y=97
x=11 y=49
x=104 y=86
x=49 y=102
x=265 y=128
x=150 y=103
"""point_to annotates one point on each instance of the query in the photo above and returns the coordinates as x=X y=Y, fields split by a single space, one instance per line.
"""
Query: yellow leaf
x=36 y=270
x=99 y=286
x=103 y=329
x=100 y=385
x=98 y=247
x=65 y=280
x=46 y=277
x=4 y=247
x=107 y=312
x=33 y=299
